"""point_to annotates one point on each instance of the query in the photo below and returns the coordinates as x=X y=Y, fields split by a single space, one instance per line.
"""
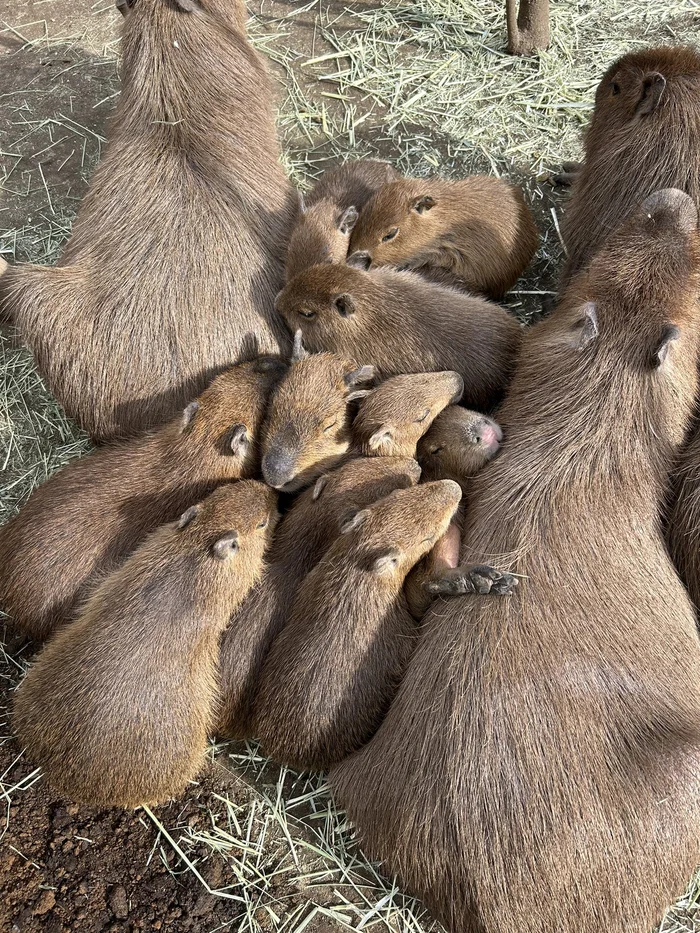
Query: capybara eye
x=390 y=235
x=263 y=523
x=308 y=314
x=423 y=416
x=615 y=88
x=329 y=426
x=435 y=450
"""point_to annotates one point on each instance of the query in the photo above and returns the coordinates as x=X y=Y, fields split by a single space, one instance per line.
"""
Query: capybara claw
x=481 y=580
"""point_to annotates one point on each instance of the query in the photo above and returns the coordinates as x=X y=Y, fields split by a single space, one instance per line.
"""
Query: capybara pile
x=344 y=504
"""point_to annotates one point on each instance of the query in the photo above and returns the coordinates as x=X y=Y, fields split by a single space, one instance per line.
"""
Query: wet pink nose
x=491 y=436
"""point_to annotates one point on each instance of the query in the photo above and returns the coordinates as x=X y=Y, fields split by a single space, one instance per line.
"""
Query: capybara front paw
x=481 y=580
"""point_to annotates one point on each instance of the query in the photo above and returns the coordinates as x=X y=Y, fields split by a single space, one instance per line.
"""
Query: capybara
x=333 y=669
x=90 y=515
x=304 y=535
x=329 y=213
x=479 y=229
x=117 y=707
x=308 y=429
x=542 y=755
x=683 y=528
x=394 y=416
x=644 y=135
x=458 y=444
x=403 y=324
x=178 y=250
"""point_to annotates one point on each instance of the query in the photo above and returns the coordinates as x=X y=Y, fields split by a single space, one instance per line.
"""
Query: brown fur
x=308 y=429
x=117 y=708
x=403 y=324
x=543 y=751
x=88 y=517
x=334 y=668
x=458 y=445
x=479 y=229
x=177 y=253
x=305 y=534
x=395 y=416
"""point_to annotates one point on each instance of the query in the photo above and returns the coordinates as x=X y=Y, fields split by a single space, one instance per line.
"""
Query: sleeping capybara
x=333 y=669
x=393 y=417
x=543 y=750
x=479 y=229
x=178 y=250
x=304 y=535
x=402 y=324
x=85 y=519
x=117 y=707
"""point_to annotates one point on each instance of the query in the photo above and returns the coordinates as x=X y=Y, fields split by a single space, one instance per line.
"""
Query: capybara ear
x=347 y=221
x=653 y=88
x=298 y=351
x=188 y=516
x=360 y=259
x=188 y=414
x=585 y=329
x=240 y=440
x=344 y=304
x=423 y=204
x=359 y=375
x=353 y=519
x=226 y=547
x=385 y=435
x=668 y=334
x=358 y=394
x=319 y=486
x=386 y=561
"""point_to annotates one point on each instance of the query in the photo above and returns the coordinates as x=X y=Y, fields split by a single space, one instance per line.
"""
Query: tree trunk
x=528 y=30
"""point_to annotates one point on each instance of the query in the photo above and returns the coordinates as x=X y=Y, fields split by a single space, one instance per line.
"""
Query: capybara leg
x=481 y=579
x=568 y=173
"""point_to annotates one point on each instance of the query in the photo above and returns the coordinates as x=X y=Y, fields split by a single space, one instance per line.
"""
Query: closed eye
x=435 y=450
x=263 y=523
x=307 y=313
x=422 y=418
x=329 y=426
x=390 y=235
x=615 y=88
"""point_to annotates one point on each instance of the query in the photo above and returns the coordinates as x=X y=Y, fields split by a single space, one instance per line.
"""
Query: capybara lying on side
x=178 y=250
x=402 y=324
x=333 y=669
x=117 y=708
x=90 y=515
x=304 y=535
x=479 y=229
x=543 y=750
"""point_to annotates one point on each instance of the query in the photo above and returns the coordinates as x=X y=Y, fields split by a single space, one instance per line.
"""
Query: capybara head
x=394 y=224
x=224 y=423
x=321 y=234
x=458 y=444
x=363 y=480
x=392 y=535
x=309 y=423
x=395 y=415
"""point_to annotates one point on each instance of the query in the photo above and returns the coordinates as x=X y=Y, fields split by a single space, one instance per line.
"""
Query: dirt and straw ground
x=424 y=83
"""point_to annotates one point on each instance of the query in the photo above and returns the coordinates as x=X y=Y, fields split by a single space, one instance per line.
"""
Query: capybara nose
x=676 y=203
x=278 y=468
x=360 y=259
x=488 y=434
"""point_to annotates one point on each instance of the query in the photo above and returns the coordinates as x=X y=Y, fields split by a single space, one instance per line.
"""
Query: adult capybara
x=458 y=444
x=403 y=324
x=303 y=537
x=177 y=253
x=479 y=229
x=329 y=212
x=644 y=135
x=89 y=516
x=335 y=666
x=117 y=708
x=683 y=527
x=395 y=416
x=543 y=751
x=308 y=428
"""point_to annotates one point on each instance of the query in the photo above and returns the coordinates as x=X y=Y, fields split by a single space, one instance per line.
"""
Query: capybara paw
x=486 y=579
x=455 y=582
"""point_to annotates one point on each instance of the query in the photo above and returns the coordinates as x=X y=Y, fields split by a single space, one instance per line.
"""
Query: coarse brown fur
x=335 y=666
x=458 y=444
x=403 y=324
x=89 y=516
x=177 y=253
x=479 y=229
x=117 y=708
x=308 y=429
x=543 y=751
x=303 y=537
x=395 y=416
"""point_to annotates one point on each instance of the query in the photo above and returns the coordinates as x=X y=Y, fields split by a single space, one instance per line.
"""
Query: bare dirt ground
x=423 y=83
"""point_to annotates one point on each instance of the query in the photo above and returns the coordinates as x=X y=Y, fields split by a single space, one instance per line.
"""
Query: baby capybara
x=543 y=750
x=479 y=229
x=301 y=540
x=333 y=669
x=308 y=428
x=403 y=324
x=117 y=707
x=88 y=517
x=458 y=444
x=395 y=416
x=178 y=249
